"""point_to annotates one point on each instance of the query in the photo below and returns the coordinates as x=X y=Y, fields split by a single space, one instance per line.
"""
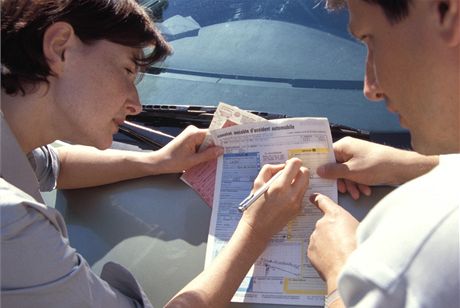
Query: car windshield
x=280 y=56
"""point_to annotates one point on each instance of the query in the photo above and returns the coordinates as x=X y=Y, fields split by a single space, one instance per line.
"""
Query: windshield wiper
x=339 y=131
x=156 y=125
x=152 y=137
x=184 y=115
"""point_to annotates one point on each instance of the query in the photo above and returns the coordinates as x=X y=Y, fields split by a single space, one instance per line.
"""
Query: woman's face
x=95 y=91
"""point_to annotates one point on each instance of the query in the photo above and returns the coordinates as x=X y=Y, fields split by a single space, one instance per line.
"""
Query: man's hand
x=332 y=241
x=181 y=153
x=361 y=164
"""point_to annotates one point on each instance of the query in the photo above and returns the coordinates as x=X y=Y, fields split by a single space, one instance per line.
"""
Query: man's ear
x=448 y=20
x=57 y=39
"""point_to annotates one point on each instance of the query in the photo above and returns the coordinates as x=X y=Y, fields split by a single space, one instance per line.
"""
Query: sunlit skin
x=96 y=91
x=413 y=66
x=89 y=95
x=404 y=67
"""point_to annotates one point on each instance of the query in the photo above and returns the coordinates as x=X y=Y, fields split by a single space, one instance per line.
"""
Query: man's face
x=408 y=66
x=96 y=92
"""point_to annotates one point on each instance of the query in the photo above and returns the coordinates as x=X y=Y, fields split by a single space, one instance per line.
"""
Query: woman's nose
x=133 y=104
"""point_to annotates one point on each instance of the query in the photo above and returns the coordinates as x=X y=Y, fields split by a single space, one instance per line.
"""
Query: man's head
x=413 y=64
x=24 y=24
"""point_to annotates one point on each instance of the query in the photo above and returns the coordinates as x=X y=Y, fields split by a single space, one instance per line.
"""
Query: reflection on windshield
x=308 y=13
x=280 y=56
x=295 y=43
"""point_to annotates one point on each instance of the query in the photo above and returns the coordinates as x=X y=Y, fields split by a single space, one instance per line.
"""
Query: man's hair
x=395 y=10
x=24 y=23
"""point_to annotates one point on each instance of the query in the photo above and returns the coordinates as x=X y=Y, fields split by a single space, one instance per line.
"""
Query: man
x=405 y=252
x=68 y=73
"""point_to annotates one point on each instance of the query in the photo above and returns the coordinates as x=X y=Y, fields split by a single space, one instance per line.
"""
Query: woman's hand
x=182 y=152
x=281 y=202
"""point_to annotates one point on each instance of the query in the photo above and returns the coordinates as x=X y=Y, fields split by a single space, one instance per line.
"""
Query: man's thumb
x=333 y=171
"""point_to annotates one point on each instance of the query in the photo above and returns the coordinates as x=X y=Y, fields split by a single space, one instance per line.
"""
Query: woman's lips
x=117 y=123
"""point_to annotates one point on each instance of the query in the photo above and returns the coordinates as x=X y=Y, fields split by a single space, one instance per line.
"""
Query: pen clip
x=244 y=204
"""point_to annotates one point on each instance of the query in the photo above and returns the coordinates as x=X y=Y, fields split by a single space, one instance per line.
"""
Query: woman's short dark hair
x=395 y=10
x=24 y=23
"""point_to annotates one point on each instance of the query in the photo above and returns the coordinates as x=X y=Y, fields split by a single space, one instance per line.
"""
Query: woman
x=68 y=73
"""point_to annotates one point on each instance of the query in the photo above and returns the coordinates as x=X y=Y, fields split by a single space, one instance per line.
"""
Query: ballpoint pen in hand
x=249 y=200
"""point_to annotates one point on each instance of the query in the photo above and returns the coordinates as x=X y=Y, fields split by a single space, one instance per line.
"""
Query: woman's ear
x=57 y=39
x=449 y=21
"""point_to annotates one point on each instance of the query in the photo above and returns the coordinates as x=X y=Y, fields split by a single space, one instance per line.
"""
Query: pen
x=249 y=200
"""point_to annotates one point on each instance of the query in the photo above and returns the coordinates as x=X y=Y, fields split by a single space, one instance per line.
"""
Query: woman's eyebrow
x=136 y=56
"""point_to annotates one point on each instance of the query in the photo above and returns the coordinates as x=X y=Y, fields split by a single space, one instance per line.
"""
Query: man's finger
x=341 y=186
x=324 y=203
x=352 y=189
x=365 y=189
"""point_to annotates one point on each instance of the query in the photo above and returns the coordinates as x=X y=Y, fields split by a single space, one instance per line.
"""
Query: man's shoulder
x=449 y=166
x=429 y=196
x=399 y=226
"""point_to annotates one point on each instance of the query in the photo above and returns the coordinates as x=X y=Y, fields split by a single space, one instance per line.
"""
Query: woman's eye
x=130 y=71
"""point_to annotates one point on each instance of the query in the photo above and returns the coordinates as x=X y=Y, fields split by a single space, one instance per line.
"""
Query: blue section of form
x=239 y=171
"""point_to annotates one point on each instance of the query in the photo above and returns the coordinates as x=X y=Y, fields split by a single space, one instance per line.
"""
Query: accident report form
x=283 y=273
x=202 y=176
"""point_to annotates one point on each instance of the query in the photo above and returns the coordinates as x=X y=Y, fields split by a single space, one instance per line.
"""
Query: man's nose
x=372 y=90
